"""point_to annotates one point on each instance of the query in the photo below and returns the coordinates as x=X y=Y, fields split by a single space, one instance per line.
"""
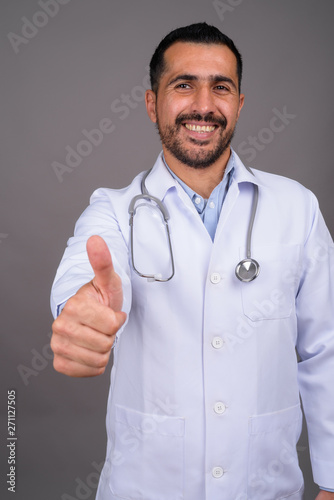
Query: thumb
x=106 y=281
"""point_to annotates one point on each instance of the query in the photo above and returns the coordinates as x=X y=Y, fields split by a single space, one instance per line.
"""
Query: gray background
x=63 y=81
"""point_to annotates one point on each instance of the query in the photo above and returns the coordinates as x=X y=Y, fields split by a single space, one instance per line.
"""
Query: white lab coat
x=204 y=395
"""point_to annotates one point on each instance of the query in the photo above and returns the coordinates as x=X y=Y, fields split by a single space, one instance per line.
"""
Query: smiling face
x=197 y=104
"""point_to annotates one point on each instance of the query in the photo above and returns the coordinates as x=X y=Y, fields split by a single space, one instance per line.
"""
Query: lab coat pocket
x=273 y=469
x=149 y=456
x=272 y=294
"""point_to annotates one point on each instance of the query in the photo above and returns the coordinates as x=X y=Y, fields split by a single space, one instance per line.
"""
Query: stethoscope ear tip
x=247 y=270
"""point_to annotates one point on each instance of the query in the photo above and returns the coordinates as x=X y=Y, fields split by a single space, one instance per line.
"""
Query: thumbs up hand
x=84 y=332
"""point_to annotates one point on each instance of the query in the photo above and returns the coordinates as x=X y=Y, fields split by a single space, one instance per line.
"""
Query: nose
x=203 y=101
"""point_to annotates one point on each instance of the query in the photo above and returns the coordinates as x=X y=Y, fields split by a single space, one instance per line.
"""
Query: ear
x=150 y=101
x=241 y=103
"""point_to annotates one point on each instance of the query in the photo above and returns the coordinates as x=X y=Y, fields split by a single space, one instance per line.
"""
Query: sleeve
x=315 y=345
x=75 y=270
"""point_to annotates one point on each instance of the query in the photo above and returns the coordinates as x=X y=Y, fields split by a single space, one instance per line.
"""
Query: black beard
x=195 y=159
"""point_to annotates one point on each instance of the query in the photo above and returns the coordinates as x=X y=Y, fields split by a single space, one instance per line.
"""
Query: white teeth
x=198 y=128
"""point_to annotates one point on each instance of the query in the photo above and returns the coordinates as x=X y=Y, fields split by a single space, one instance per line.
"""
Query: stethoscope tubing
x=248 y=269
x=145 y=195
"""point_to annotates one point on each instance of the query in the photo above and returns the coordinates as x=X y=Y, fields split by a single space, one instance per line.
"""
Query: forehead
x=200 y=59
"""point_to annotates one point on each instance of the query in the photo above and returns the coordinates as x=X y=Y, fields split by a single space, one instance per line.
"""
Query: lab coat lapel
x=241 y=175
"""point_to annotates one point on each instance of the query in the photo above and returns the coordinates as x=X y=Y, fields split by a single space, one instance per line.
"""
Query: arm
x=315 y=345
x=74 y=286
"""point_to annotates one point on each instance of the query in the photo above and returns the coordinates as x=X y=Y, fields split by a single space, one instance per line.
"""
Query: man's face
x=197 y=104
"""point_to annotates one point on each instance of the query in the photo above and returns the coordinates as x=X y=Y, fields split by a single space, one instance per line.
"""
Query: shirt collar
x=245 y=174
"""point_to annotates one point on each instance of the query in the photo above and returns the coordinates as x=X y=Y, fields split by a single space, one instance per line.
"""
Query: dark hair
x=194 y=33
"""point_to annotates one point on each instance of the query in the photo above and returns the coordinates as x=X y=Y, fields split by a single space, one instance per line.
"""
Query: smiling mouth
x=200 y=128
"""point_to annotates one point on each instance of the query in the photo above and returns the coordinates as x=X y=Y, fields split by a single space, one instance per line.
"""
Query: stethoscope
x=246 y=270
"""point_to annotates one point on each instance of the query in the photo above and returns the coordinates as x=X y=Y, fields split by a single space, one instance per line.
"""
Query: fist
x=84 y=332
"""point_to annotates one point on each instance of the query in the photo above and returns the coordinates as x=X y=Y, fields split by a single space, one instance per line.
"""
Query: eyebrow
x=212 y=79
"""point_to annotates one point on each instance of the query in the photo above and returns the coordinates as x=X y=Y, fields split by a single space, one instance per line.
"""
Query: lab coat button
x=215 y=278
x=217 y=472
x=217 y=342
x=219 y=407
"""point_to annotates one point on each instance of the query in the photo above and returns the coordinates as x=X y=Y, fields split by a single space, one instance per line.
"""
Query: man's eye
x=183 y=86
x=221 y=87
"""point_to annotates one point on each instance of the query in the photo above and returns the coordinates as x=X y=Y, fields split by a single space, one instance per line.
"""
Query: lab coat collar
x=160 y=181
x=242 y=174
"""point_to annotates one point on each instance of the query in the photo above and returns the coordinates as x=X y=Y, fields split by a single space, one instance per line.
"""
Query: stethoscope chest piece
x=247 y=270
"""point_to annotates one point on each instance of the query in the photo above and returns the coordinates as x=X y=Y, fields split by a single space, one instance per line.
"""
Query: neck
x=201 y=180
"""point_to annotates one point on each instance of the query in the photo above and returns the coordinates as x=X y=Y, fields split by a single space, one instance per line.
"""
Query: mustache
x=201 y=118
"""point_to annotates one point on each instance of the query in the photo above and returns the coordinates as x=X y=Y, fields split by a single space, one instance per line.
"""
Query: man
x=204 y=397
